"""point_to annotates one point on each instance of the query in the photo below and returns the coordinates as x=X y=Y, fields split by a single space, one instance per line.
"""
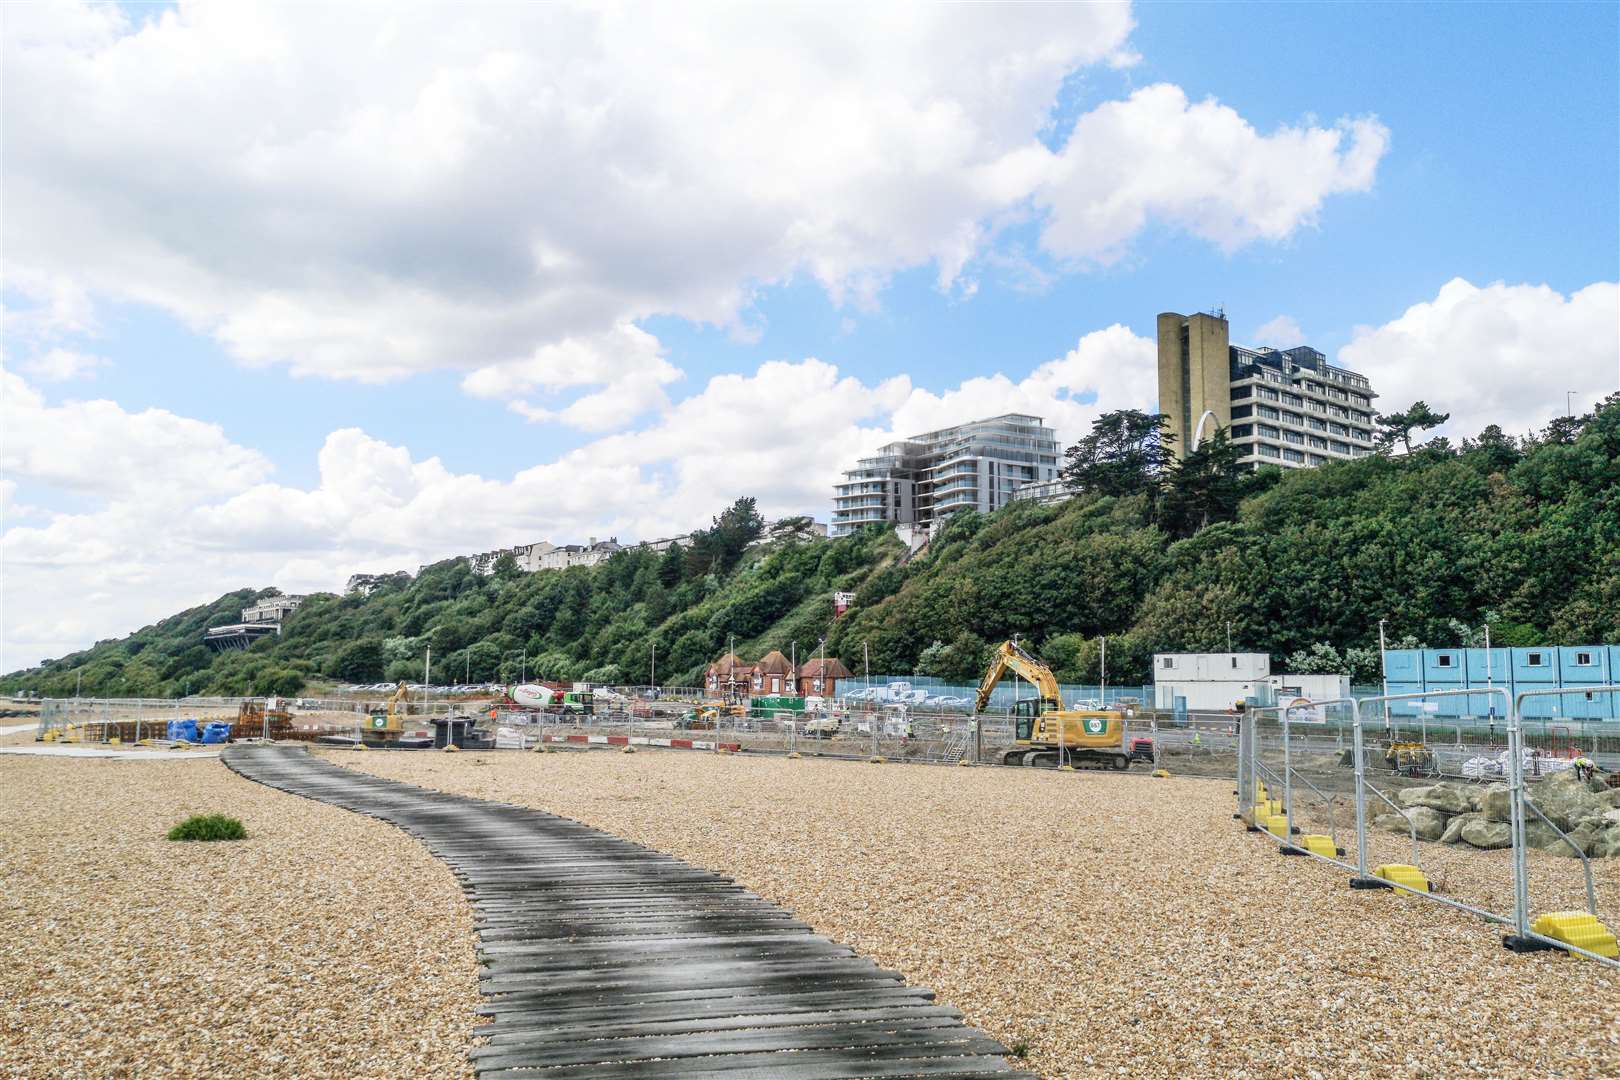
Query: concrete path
x=608 y=960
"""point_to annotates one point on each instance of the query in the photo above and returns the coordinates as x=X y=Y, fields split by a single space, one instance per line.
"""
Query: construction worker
x=1585 y=768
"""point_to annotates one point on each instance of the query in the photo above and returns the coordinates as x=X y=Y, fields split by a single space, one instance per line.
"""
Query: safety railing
x=1253 y=771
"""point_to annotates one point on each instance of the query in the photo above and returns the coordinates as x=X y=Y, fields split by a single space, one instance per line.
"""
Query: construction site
x=703 y=883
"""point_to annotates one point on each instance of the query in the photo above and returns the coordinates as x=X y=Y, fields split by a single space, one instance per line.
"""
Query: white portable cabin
x=1208 y=682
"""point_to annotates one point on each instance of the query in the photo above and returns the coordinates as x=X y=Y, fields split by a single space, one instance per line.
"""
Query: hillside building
x=922 y=480
x=1285 y=407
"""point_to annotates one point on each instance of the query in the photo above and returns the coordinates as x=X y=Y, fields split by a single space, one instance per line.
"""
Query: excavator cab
x=1025 y=712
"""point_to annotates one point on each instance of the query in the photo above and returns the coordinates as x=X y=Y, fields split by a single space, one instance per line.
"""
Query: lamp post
x=1228 y=635
x=1383 y=670
x=1569 y=408
x=654 y=676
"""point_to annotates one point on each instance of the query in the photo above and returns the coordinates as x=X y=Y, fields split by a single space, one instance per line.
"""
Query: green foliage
x=360 y=661
x=1399 y=426
x=208 y=827
x=1125 y=454
x=1522 y=535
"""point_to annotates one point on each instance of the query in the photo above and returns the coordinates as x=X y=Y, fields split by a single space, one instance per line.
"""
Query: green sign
x=1096 y=725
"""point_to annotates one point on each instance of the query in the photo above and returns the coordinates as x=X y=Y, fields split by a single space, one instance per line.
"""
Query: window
x=1239 y=411
x=1240 y=431
x=1443 y=660
x=1268 y=412
x=1267 y=451
x=1234 y=661
x=1535 y=659
x=1169 y=662
x=1584 y=659
x=1293 y=455
x=1269 y=432
x=1241 y=392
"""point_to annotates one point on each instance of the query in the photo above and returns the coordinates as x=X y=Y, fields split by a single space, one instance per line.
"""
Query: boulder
x=1392 y=822
x=1446 y=798
x=1568 y=801
x=1411 y=796
x=1493 y=802
x=1428 y=822
x=1606 y=843
x=1612 y=816
x=1542 y=837
x=1484 y=833
x=1454 y=827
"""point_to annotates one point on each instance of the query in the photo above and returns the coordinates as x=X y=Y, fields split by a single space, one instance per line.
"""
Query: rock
x=1567 y=801
x=1446 y=798
x=1612 y=816
x=1454 y=827
x=1483 y=833
x=1493 y=802
x=1606 y=844
x=1542 y=837
x=1428 y=822
x=1392 y=822
x=1411 y=796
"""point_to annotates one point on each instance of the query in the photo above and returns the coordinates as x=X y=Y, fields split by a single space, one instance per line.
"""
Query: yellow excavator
x=1042 y=727
x=384 y=726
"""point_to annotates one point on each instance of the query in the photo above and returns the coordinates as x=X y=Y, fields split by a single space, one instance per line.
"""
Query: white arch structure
x=1198 y=435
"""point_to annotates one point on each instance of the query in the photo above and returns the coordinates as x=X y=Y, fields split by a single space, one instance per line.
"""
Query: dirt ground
x=1107 y=924
x=324 y=945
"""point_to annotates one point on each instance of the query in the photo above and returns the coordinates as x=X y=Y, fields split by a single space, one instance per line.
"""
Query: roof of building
x=774 y=663
x=829 y=667
x=730 y=662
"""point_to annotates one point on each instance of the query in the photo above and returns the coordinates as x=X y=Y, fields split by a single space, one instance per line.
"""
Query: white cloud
x=60 y=365
x=1200 y=168
x=182 y=514
x=627 y=359
x=1283 y=332
x=376 y=191
x=1501 y=354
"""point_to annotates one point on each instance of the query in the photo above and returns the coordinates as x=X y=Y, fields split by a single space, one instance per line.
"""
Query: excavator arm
x=1012 y=657
x=395 y=720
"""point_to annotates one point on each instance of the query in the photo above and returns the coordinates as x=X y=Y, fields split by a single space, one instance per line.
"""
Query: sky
x=296 y=291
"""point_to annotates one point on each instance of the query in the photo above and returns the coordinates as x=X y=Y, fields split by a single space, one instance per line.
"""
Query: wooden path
x=609 y=960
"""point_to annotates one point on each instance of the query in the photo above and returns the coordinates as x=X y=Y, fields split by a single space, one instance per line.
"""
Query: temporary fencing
x=1269 y=749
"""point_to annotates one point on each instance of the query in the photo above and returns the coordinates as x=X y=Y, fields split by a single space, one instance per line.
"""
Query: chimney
x=591 y=542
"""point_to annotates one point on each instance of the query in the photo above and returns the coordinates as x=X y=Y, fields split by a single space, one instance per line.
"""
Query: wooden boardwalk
x=609 y=960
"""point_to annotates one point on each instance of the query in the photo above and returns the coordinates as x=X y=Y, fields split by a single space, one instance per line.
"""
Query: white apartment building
x=1285 y=407
x=922 y=480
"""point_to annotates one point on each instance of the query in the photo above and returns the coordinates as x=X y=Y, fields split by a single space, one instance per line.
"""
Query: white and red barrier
x=642 y=740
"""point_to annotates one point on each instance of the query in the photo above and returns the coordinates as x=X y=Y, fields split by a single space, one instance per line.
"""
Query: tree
x=360 y=661
x=1202 y=488
x=719 y=548
x=1126 y=453
x=1401 y=425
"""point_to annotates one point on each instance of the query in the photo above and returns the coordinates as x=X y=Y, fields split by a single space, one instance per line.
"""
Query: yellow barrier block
x=1277 y=824
x=1579 y=929
x=1318 y=844
x=1409 y=877
x=795 y=756
x=1259 y=792
x=1162 y=774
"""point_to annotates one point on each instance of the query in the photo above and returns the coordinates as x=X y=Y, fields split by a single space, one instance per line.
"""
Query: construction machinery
x=385 y=725
x=1042 y=729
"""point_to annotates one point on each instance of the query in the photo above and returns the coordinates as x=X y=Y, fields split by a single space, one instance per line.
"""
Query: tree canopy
x=1522 y=535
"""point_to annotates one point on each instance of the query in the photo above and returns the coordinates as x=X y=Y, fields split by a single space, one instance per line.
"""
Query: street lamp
x=1569 y=408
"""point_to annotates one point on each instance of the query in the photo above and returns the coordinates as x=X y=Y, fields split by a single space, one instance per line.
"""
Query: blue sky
x=267 y=266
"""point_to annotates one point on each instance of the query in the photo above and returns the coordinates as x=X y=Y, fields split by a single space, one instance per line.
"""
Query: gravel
x=324 y=945
x=1116 y=925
